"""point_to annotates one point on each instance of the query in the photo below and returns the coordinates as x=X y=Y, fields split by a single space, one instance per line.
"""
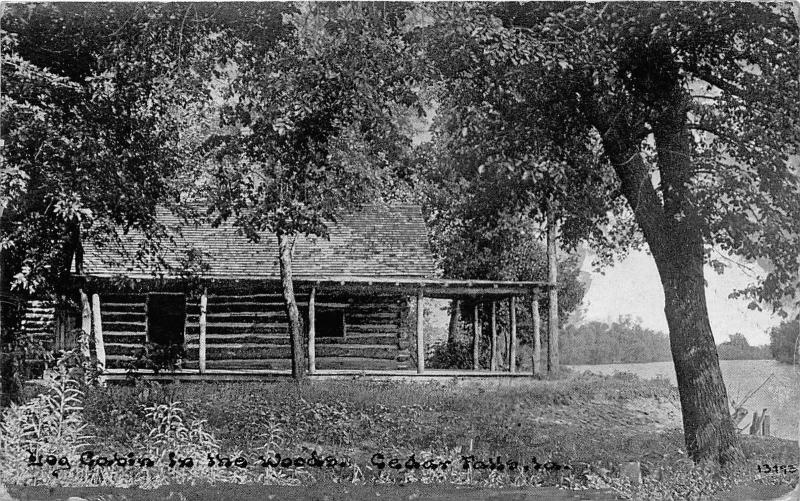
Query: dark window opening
x=166 y=318
x=329 y=323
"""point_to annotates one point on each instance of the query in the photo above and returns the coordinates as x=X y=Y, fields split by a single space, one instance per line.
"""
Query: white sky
x=632 y=287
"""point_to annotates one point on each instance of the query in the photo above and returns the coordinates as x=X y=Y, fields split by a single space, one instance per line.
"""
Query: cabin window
x=329 y=323
x=166 y=318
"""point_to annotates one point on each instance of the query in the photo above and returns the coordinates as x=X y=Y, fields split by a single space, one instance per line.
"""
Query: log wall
x=38 y=323
x=124 y=327
x=251 y=332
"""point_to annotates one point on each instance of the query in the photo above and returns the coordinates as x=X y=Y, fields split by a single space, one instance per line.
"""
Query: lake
x=781 y=396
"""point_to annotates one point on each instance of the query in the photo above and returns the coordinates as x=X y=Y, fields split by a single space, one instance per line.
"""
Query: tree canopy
x=672 y=124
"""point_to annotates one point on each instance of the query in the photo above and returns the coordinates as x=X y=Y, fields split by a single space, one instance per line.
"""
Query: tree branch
x=716 y=132
x=721 y=84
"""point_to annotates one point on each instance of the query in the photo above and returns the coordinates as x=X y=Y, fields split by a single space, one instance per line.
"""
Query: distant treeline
x=737 y=348
x=626 y=341
x=783 y=341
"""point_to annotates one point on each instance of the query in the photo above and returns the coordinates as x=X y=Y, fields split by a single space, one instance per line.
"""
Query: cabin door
x=166 y=318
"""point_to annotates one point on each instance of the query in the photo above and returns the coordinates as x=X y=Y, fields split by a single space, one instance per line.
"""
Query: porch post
x=420 y=333
x=493 y=365
x=97 y=324
x=552 y=279
x=312 y=331
x=86 y=325
x=476 y=337
x=202 y=354
x=537 y=341
x=512 y=348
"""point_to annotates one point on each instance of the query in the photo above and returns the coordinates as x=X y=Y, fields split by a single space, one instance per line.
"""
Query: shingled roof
x=377 y=241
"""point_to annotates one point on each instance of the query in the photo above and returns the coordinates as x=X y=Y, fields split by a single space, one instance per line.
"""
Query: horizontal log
x=122 y=307
x=279 y=315
x=127 y=338
x=239 y=338
x=356 y=350
x=255 y=298
x=362 y=340
x=374 y=326
x=215 y=352
x=38 y=323
x=122 y=349
x=324 y=363
x=285 y=364
x=282 y=351
x=214 y=308
x=360 y=317
x=194 y=346
x=217 y=339
x=275 y=364
x=34 y=319
x=241 y=317
x=214 y=329
x=106 y=297
x=39 y=311
x=124 y=326
x=113 y=316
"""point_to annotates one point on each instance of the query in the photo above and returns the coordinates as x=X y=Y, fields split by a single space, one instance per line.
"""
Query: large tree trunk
x=553 y=365
x=452 y=330
x=672 y=229
x=708 y=428
x=285 y=244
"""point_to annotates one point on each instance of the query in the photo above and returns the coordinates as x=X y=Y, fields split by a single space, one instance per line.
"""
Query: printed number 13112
x=775 y=468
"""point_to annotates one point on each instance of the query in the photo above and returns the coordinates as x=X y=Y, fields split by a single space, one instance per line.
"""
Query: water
x=780 y=396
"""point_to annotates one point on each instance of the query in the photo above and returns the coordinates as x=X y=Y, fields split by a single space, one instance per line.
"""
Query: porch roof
x=440 y=288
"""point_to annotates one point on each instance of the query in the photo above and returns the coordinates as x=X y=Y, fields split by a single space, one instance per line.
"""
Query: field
x=590 y=424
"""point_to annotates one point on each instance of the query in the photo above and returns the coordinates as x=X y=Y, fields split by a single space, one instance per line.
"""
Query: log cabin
x=218 y=296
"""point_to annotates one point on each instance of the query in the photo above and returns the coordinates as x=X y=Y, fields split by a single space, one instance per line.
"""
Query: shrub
x=51 y=423
x=44 y=441
x=158 y=358
x=783 y=341
x=450 y=355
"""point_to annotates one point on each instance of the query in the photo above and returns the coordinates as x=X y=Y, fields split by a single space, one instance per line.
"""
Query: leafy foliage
x=91 y=146
x=308 y=125
x=783 y=341
x=157 y=357
x=675 y=114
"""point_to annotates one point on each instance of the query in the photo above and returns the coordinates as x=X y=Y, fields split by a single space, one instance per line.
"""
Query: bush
x=783 y=341
x=158 y=358
x=450 y=355
x=45 y=441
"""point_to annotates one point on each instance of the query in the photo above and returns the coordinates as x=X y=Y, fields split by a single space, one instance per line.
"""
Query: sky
x=632 y=287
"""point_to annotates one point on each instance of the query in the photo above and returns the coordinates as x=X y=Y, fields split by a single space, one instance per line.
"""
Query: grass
x=592 y=423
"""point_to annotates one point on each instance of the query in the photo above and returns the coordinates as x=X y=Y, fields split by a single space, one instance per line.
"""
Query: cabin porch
x=380 y=347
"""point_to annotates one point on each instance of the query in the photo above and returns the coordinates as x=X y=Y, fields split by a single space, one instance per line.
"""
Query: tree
x=783 y=341
x=310 y=130
x=738 y=348
x=93 y=143
x=476 y=234
x=676 y=122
